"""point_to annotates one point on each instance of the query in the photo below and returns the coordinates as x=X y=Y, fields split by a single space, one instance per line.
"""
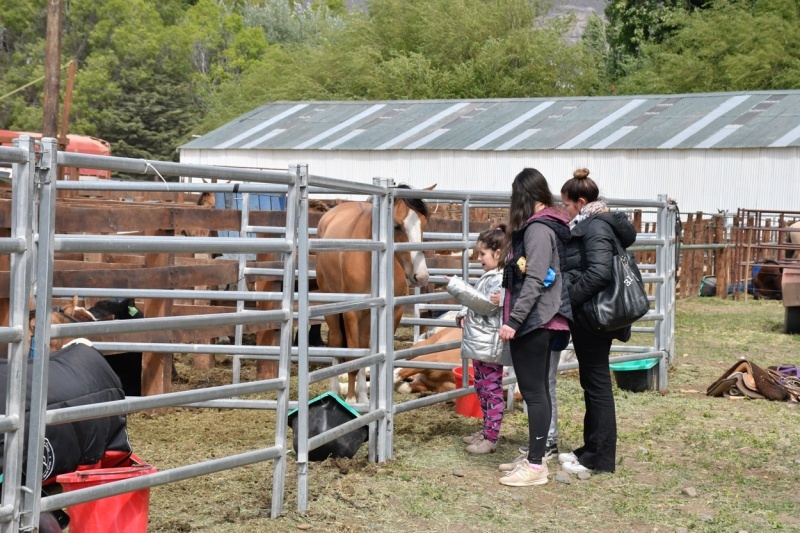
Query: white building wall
x=699 y=180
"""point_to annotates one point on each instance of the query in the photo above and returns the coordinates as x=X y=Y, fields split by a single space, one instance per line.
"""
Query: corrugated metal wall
x=699 y=180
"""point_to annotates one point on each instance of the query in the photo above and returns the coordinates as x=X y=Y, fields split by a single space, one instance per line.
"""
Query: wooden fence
x=757 y=236
x=729 y=249
x=164 y=214
x=710 y=247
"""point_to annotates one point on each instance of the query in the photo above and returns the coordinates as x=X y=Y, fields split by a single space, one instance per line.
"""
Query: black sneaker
x=551 y=451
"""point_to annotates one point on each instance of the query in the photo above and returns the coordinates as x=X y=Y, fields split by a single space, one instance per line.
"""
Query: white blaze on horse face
x=413 y=227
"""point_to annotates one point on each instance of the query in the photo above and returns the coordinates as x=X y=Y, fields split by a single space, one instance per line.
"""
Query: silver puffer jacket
x=482 y=322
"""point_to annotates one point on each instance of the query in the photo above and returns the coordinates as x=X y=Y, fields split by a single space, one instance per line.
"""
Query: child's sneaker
x=482 y=446
x=524 y=475
x=508 y=467
x=475 y=437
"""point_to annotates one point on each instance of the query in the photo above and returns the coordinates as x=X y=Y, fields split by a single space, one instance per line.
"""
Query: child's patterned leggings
x=489 y=387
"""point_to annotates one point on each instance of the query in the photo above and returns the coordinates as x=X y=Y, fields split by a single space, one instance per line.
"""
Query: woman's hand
x=506 y=333
x=461 y=322
x=448 y=278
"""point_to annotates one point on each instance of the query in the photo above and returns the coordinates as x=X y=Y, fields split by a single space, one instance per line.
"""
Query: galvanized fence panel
x=295 y=246
x=20 y=245
x=22 y=505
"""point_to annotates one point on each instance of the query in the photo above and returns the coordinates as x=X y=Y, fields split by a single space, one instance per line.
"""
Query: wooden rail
x=167 y=214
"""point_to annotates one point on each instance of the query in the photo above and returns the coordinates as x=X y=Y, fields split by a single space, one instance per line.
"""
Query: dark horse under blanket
x=127 y=365
x=768 y=282
x=78 y=375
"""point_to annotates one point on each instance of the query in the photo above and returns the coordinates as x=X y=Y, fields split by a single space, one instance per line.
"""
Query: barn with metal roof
x=708 y=151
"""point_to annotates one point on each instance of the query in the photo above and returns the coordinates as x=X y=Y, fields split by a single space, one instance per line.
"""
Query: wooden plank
x=97 y=216
x=62 y=265
x=181 y=336
x=72 y=265
x=153 y=218
x=131 y=260
x=155 y=277
x=172 y=277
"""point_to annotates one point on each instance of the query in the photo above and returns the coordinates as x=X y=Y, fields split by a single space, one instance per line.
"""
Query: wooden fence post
x=157 y=367
x=686 y=255
x=266 y=369
x=718 y=266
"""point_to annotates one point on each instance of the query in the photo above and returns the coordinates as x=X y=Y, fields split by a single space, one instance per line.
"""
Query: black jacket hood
x=618 y=221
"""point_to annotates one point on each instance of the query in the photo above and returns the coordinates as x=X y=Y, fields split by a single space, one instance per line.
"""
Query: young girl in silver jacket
x=480 y=320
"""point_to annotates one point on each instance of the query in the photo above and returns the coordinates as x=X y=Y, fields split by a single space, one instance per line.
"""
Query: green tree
x=22 y=27
x=635 y=23
x=410 y=49
x=134 y=88
x=729 y=46
x=285 y=22
x=595 y=40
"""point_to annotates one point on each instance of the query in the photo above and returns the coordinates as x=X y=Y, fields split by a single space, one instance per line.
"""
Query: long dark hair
x=529 y=188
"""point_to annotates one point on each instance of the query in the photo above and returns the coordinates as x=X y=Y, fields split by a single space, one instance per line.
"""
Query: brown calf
x=408 y=380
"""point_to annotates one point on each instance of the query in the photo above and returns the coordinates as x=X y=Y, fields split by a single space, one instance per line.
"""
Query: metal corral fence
x=33 y=212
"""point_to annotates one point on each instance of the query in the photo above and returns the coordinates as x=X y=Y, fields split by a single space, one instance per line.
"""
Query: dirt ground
x=740 y=458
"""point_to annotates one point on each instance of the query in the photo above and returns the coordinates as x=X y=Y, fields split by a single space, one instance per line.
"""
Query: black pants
x=599 y=448
x=530 y=354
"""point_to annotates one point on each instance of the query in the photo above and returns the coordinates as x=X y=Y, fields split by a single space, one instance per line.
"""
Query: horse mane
x=204 y=197
x=416 y=204
x=57 y=311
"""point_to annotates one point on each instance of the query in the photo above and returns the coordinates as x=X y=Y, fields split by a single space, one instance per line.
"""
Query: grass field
x=741 y=457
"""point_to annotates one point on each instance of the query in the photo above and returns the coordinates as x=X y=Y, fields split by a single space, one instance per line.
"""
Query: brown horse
x=351 y=272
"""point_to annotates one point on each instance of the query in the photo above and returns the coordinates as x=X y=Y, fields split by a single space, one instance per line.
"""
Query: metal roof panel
x=690 y=121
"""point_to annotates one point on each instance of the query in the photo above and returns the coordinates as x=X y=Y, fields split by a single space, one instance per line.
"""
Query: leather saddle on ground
x=748 y=379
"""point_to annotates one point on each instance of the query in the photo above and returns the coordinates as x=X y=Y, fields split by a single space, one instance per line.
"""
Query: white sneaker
x=567 y=457
x=574 y=468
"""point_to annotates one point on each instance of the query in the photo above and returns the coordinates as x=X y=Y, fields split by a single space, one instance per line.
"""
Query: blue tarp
x=258 y=202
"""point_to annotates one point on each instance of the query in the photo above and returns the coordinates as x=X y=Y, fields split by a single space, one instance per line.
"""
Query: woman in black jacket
x=595 y=232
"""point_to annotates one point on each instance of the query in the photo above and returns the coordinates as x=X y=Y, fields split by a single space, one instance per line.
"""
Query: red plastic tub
x=468 y=405
x=124 y=513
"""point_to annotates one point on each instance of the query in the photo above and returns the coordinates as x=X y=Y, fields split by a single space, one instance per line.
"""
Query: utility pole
x=62 y=136
x=52 y=69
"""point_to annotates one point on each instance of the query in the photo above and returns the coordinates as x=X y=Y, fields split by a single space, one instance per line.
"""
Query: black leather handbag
x=623 y=301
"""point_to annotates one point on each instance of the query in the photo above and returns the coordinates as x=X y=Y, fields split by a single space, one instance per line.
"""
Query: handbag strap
x=618 y=252
x=617 y=247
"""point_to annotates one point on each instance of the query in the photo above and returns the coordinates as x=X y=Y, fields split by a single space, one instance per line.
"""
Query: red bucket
x=468 y=405
x=123 y=513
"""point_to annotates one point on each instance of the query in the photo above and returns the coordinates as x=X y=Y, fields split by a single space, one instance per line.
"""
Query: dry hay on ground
x=728 y=451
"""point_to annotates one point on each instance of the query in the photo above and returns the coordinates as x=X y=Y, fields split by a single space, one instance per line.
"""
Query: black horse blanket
x=78 y=375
